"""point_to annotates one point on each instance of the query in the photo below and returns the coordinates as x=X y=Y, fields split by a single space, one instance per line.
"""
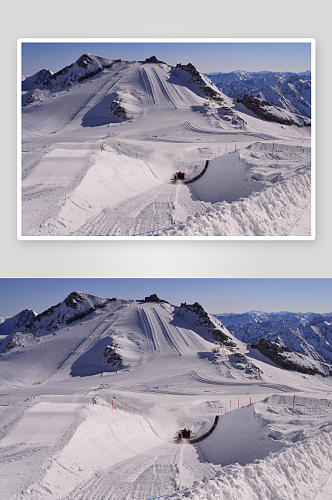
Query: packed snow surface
x=101 y=141
x=94 y=389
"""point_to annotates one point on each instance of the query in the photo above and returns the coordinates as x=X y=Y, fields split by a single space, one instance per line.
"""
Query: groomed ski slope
x=66 y=450
x=75 y=427
x=72 y=188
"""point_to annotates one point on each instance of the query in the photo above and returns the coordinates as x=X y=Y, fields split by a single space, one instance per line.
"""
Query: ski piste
x=102 y=146
x=94 y=389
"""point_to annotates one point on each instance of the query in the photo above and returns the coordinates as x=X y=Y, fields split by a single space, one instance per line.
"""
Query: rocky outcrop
x=194 y=77
x=118 y=110
x=112 y=357
x=153 y=298
x=285 y=358
x=267 y=111
x=199 y=317
x=76 y=306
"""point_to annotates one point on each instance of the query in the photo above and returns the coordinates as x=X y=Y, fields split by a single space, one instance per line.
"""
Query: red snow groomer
x=178 y=176
x=183 y=434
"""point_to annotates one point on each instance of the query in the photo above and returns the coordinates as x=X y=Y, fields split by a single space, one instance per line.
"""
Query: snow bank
x=240 y=437
x=294 y=473
x=102 y=439
x=271 y=212
x=296 y=446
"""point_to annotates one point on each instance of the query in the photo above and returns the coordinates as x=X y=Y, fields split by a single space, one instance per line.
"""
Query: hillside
x=102 y=138
x=306 y=333
x=93 y=389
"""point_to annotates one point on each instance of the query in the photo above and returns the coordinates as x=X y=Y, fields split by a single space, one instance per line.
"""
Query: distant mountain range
x=89 y=334
x=290 y=91
x=306 y=333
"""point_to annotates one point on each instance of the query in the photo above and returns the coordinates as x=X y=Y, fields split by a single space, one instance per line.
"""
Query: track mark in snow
x=158 y=207
x=148 y=329
x=191 y=128
x=148 y=87
x=278 y=387
x=160 y=471
x=167 y=332
x=164 y=89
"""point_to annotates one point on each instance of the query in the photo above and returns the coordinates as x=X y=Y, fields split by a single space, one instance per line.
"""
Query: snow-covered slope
x=290 y=91
x=307 y=333
x=11 y=324
x=294 y=461
x=36 y=80
x=93 y=389
x=95 y=130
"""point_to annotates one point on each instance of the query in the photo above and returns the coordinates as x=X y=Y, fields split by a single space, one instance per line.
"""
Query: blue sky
x=217 y=295
x=207 y=57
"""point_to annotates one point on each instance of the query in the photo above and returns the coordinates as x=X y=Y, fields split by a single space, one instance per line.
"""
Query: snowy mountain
x=93 y=390
x=290 y=91
x=147 y=327
x=145 y=330
x=306 y=333
x=269 y=112
x=36 y=80
x=102 y=139
x=8 y=325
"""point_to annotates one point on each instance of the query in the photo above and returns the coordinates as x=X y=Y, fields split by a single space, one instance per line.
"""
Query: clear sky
x=205 y=56
x=217 y=295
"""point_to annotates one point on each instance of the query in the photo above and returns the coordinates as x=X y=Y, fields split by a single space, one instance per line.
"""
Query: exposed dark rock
x=84 y=60
x=13 y=341
x=278 y=354
x=153 y=298
x=196 y=79
x=73 y=300
x=204 y=321
x=32 y=96
x=263 y=109
x=118 y=110
x=112 y=357
x=153 y=59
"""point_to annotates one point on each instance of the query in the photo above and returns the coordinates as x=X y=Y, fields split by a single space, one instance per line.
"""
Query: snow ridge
x=273 y=211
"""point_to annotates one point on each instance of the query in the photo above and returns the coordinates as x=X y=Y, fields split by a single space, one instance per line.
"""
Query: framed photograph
x=166 y=138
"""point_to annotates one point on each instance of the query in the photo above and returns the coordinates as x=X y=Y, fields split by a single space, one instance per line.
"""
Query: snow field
x=101 y=439
x=108 y=180
x=119 y=195
x=264 y=451
x=294 y=473
x=296 y=462
x=169 y=120
x=274 y=211
x=68 y=443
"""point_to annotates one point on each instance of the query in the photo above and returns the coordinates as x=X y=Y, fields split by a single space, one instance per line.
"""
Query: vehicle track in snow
x=166 y=332
x=265 y=137
x=94 y=99
x=148 y=87
x=163 y=88
x=159 y=471
x=148 y=330
x=157 y=208
x=278 y=387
